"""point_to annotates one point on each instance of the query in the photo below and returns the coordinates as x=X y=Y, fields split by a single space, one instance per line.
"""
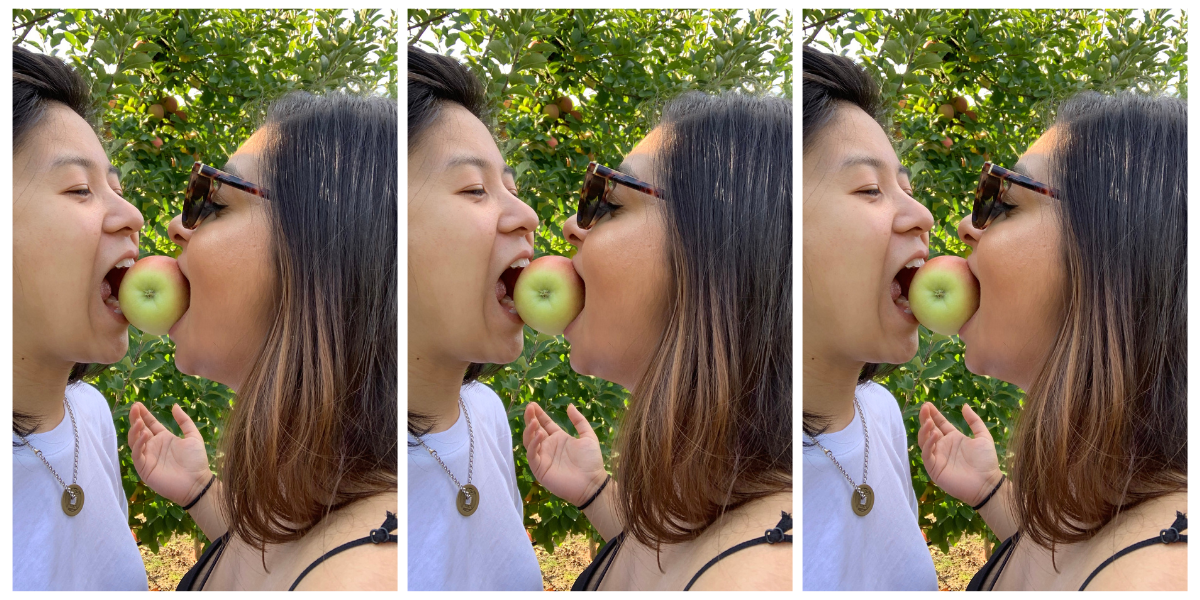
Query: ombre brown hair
x=709 y=425
x=314 y=427
x=1104 y=426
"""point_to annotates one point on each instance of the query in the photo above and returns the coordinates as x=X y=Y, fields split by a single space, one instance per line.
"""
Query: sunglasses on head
x=597 y=183
x=202 y=184
x=994 y=181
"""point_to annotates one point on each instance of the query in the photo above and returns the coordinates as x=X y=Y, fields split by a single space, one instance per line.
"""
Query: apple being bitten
x=944 y=294
x=549 y=294
x=154 y=294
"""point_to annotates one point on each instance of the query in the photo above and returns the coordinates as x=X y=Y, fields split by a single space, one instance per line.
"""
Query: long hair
x=434 y=81
x=314 y=426
x=1104 y=426
x=39 y=81
x=831 y=83
x=709 y=425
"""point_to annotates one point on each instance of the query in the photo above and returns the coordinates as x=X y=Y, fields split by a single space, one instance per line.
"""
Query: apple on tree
x=154 y=294
x=944 y=294
x=549 y=294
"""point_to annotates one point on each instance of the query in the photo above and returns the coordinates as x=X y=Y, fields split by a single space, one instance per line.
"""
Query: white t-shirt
x=883 y=550
x=490 y=549
x=94 y=550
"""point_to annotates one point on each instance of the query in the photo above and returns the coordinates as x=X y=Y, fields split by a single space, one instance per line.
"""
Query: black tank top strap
x=775 y=535
x=588 y=580
x=381 y=535
x=1169 y=535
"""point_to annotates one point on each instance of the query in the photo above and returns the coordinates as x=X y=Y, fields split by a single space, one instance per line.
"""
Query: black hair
x=38 y=81
x=315 y=423
x=832 y=82
x=433 y=81
x=709 y=425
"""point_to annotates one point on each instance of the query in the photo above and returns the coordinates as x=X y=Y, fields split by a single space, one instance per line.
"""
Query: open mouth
x=507 y=283
x=902 y=281
x=110 y=286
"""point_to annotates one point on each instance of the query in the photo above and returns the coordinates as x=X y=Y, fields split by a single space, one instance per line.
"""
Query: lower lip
x=512 y=316
x=908 y=316
x=571 y=325
x=968 y=323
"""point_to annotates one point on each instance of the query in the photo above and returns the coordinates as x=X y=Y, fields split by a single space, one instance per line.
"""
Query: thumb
x=978 y=427
x=582 y=427
x=185 y=424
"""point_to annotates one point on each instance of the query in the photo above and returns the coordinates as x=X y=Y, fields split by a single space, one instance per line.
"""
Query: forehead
x=1035 y=162
x=61 y=129
x=851 y=132
x=458 y=133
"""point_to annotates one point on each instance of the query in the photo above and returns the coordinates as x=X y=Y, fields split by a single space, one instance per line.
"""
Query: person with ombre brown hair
x=1081 y=255
x=685 y=251
x=290 y=252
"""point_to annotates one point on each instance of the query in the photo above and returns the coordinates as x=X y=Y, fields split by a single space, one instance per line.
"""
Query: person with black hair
x=289 y=251
x=1081 y=255
x=468 y=235
x=72 y=231
x=864 y=237
x=685 y=250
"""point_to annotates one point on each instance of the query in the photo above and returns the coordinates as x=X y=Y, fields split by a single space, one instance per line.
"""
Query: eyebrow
x=871 y=161
x=81 y=162
x=476 y=161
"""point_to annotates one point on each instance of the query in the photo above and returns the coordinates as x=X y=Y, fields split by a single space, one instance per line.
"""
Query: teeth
x=507 y=302
x=125 y=264
x=520 y=263
x=915 y=263
x=113 y=303
x=903 y=302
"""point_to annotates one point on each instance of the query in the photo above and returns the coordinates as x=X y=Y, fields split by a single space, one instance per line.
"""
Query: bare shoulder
x=1152 y=568
x=766 y=566
x=368 y=566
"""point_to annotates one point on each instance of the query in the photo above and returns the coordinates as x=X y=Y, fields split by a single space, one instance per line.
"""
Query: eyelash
x=85 y=192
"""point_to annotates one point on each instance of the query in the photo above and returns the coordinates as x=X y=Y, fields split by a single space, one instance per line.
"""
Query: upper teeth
x=915 y=263
x=124 y=264
x=520 y=263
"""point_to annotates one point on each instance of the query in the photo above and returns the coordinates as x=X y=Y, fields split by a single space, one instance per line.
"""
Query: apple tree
x=962 y=87
x=172 y=87
x=567 y=87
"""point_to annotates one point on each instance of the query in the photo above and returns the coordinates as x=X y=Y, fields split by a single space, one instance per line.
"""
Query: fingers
x=978 y=427
x=546 y=422
x=147 y=418
x=530 y=426
x=941 y=422
x=582 y=427
x=185 y=424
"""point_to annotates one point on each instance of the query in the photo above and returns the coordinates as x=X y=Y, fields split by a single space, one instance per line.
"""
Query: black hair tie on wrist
x=202 y=492
x=597 y=494
x=989 y=496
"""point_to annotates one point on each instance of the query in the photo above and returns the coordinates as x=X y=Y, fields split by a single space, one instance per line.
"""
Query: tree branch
x=28 y=25
x=821 y=25
x=425 y=25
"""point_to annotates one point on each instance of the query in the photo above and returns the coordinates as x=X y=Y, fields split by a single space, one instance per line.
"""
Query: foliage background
x=618 y=67
x=224 y=67
x=1012 y=66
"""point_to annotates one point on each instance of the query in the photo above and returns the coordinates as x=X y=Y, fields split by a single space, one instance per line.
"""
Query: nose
x=573 y=232
x=178 y=233
x=913 y=217
x=518 y=217
x=968 y=233
x=124 y=218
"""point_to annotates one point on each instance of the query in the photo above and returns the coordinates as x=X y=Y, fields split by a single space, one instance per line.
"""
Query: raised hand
x=176 y=468
x=965 y=467
x=570 y=467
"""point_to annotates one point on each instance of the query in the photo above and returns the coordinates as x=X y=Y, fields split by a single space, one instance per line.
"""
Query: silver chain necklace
x=72 y=498
x=468 y=495
x=862 y=498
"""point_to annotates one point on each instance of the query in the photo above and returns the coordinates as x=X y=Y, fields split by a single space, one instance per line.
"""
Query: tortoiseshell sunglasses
x=994 y=181
x=202 y=184
x=597 y=183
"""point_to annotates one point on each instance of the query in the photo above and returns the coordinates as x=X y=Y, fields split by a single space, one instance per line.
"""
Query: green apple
x=154 y=294
x=549 y=294
x=944 y=294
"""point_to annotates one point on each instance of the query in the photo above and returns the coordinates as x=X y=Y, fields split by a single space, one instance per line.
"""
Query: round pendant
x=860 y=506
x=468 y=504
x=72 y=508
